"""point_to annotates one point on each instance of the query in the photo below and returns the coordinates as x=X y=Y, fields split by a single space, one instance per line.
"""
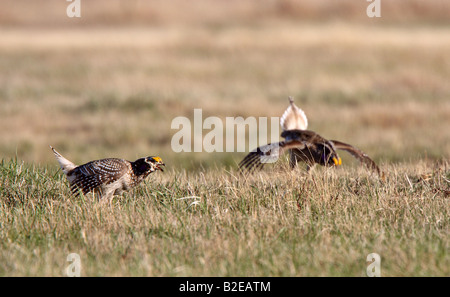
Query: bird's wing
x=96 y=173
x=358 y=154
x=268 y=154
x=85 y=184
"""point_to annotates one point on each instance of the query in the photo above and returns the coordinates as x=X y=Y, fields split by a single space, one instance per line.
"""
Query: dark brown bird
x=303 y=146
x=107 y=177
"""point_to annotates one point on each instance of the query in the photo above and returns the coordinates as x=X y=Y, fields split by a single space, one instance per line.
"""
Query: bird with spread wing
x=303 y=146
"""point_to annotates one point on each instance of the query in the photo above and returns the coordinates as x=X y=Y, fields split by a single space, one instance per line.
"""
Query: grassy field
x=110 y=84
x=216 y=224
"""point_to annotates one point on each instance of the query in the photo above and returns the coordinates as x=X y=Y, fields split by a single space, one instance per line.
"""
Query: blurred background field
x=110 y=83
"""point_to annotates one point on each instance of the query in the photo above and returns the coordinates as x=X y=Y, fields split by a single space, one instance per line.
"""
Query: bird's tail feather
x=293 y=118
x=65 y=164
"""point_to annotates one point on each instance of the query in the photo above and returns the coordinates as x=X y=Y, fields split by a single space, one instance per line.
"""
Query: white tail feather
x=65 y=164
x=293 y=118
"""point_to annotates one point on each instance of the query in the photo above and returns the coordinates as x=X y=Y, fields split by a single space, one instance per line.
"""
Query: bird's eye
x=156 y=160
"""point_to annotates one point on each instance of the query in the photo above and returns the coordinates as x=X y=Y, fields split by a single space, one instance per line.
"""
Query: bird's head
x=155 y=163
x=336 y=160
x=329 y=157
x=148 y=164
x=332 y=160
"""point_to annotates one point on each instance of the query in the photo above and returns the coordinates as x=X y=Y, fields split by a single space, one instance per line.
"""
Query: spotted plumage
x=107 y=177
x=303 y=146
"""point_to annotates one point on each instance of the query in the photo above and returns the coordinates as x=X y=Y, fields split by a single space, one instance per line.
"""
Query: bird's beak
x=158 y=166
